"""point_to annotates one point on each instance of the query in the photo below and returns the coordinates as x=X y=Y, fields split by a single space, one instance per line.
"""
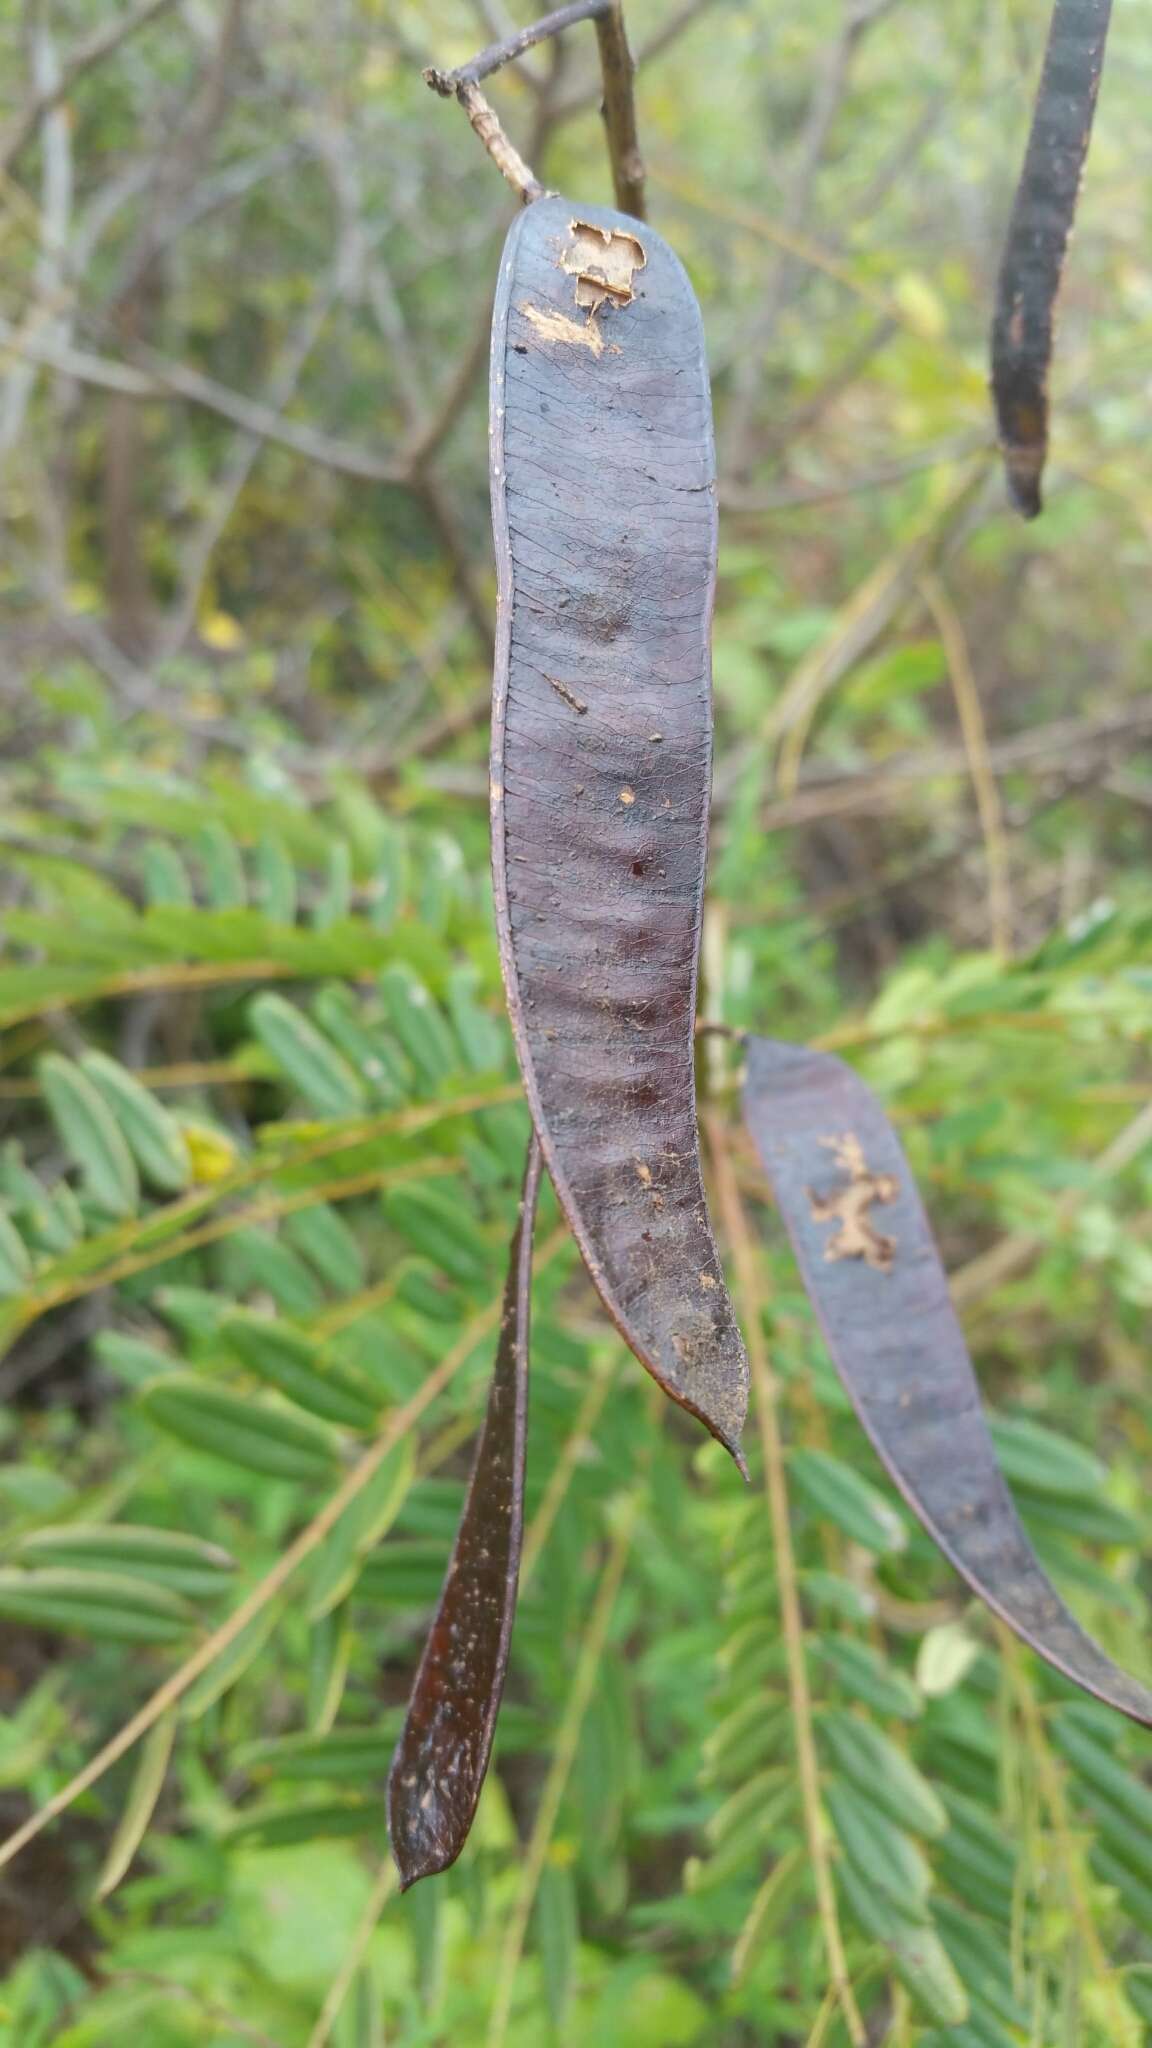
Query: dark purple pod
x=442 y=1756
x=1038 y=232
x=874 y=1277
x=603 y=500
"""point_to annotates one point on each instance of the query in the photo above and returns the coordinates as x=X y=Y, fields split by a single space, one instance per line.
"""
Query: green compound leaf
x=883 y=1773
x=880 y=1853
x=838 y=1493
x=918 y=1955
x=300 y=1369
x=167 y=1557
x=90 y=1135
x=261 y=1437
x=323 y=1077
x=154 y=1137
x=107 y=1605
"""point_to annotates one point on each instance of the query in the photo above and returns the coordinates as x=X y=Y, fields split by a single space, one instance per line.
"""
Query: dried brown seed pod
x=873 y=1274
x=442 y=1756
x=1038 y=233
x=603 y=496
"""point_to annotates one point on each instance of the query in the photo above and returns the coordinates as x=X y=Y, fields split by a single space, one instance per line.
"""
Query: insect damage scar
x=857 y=1237
x=568 y=695
x=553 y=326
x=603 y=261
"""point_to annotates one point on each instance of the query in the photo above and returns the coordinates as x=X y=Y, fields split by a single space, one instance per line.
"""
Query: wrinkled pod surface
x=874 y=1276
x=442 y=1756
x=604 y=514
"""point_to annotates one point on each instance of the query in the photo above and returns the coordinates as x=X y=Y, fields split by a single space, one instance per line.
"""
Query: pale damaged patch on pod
x=441 y=1759
x=603 y=495
x=604 y=261
x=1038 y=233
x=897 y=1344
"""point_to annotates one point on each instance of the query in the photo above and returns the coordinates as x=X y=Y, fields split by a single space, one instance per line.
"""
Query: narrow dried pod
x=604 y=512
x=442 y=1756
x=874 y=1277
x=1038 y=232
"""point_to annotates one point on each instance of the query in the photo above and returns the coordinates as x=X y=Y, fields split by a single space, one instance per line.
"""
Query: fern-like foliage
x=263 y=1149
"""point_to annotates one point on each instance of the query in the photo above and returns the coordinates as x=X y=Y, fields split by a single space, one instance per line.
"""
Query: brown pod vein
x=442 y=1755
x=874 y=1276
x=603 y=501
x=1038 y=233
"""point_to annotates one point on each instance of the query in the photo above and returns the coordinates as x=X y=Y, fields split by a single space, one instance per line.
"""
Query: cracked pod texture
x=873 y=1274
x=441 y=1759
x=1038 y=233
x=604 y=513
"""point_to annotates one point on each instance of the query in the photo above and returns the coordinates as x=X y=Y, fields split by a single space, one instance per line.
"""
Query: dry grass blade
x=860 y=622
x=141 y=1805
x=747 y=1263
x=971 y=715
x=973 y=1283
x=378 y=1897
x=563 y=1758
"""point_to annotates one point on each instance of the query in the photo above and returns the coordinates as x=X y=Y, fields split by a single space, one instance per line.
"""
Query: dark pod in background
x=1038 y=233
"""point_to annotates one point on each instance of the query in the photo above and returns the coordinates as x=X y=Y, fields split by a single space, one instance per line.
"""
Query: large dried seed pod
x=603 y=497
x=873 y=1274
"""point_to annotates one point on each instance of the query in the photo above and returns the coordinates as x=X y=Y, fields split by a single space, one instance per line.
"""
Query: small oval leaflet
x=873 y=1274
x=442 y=1756
x=604 y=513
x=1038 y=233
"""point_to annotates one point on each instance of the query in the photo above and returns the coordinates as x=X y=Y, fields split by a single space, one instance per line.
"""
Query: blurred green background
x=262 y=1133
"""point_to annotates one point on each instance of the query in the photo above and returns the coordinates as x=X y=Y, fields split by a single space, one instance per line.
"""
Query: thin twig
x=270 y=1210
x=618 y=107
x=575 y=1447
x=241 y=457
x=54 y=222
x=619 y=111
x=454 y=395
x=496 y=55
x=103 y=42
x=164 y=1224
x=825 y=101
x=795 y=495
x=971 y=714
x=497 y=22
x=159 y=378
x=829 y=794
x=185 y=1074
x=503 y=152
x=1003 y=1261
x=586 y=95
x=1067 y=1862
x=860 y=622
x=767 y=1410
